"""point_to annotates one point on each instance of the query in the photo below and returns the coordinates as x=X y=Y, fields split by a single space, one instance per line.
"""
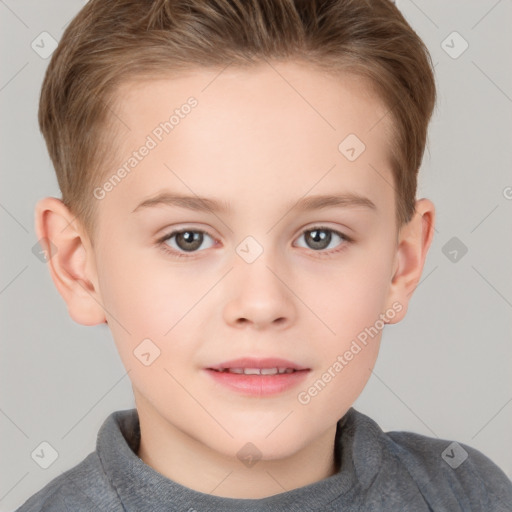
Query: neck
x=189 y=462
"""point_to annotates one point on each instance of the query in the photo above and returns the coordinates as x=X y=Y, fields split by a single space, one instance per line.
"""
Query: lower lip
x=259 y=385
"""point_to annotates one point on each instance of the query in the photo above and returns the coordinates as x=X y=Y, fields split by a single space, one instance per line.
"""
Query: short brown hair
x=111 y=42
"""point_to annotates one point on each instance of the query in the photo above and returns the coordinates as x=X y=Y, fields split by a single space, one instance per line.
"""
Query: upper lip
x=253 y=362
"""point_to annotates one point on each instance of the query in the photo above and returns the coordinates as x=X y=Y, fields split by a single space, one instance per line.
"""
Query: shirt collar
x=141 y=488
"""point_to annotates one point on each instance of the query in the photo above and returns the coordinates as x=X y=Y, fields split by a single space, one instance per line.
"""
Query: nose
x=259 y=295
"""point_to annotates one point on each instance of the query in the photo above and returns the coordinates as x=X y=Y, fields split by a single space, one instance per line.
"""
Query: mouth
x=258 y=366
x=259 y=377
x=256 y=371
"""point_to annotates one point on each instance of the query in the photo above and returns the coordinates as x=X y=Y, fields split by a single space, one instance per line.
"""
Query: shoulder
x=82 y=488
x=419 y=471
x=447 y=470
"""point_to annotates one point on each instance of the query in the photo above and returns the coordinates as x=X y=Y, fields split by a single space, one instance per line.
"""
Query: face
x=290 y=253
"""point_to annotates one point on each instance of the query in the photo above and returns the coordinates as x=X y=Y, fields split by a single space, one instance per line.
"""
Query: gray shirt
x=393 y=471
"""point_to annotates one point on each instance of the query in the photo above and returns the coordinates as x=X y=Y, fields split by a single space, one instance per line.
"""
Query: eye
x=185 y=240
x=319 y=238
x=180 y=242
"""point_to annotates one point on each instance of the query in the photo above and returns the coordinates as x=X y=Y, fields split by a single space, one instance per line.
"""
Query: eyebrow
x=205 y=204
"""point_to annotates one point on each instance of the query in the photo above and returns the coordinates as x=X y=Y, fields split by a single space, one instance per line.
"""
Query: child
x=281 y=140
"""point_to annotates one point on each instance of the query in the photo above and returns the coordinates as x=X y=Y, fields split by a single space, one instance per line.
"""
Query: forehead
x=284 y=91
x=285 y=124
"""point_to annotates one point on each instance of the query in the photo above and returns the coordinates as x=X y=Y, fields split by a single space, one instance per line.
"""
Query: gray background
x=445 y=371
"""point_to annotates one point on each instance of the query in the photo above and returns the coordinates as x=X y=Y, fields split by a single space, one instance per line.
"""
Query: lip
x=258 y=385
x=254 y=362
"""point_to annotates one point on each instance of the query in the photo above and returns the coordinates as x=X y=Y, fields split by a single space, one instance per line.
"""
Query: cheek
x=352 y=301
x=349 y=294
x=151 y=300
x=147 y=295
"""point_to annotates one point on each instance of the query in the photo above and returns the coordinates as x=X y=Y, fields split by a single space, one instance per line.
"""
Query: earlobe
x=70 y=260
x=413 y=245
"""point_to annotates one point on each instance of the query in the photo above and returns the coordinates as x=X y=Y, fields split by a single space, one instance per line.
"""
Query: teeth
x=258 y=371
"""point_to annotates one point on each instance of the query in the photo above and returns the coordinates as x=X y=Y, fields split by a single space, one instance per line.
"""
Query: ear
x=70 y=258
x=414 y=240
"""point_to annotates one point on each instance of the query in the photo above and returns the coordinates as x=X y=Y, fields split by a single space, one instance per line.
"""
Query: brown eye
x=320 y=238
x=187 y=240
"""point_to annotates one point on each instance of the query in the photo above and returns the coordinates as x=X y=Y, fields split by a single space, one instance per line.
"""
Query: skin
x=254 y=142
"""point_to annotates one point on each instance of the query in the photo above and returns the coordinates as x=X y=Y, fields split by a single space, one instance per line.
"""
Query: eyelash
x=322 y=253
